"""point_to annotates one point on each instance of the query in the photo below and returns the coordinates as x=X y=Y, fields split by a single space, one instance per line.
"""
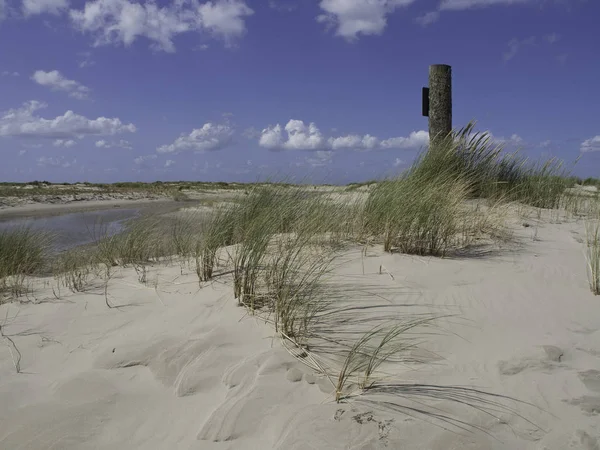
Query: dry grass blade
x=592 y=254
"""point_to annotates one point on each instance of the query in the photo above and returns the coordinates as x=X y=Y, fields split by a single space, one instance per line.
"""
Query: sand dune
x=178 y=366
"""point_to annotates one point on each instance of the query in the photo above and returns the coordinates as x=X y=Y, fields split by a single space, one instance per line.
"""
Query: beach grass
x=23 y=252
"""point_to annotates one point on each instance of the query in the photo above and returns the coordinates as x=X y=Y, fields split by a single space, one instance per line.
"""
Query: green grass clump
x=424 y=211
x=23 y=252
x=423 y=218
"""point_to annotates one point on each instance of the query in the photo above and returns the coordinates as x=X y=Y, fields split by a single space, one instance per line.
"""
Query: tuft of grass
x=74 y=268
x=491 y=172
x=143 y=242
x=294 y=275
x=23 y=252
x=415 y=217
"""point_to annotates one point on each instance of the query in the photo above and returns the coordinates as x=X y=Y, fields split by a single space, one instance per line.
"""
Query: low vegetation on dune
x=23 y=252
x=279 y=246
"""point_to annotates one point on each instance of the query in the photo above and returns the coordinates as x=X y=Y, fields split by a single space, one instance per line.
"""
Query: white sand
x=184 y=368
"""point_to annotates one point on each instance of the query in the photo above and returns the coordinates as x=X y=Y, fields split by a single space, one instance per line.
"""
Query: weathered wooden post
x=437 y=102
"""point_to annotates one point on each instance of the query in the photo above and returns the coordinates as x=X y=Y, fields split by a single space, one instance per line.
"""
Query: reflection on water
x=75 y=229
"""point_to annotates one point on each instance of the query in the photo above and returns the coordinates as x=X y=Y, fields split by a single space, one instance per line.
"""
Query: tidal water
x=74 y=229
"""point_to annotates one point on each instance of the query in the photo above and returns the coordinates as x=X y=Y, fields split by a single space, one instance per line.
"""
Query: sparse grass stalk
x=592 y=238
x=73 y=268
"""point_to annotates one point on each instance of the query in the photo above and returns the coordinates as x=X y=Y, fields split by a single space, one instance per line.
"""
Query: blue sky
x=327 y=91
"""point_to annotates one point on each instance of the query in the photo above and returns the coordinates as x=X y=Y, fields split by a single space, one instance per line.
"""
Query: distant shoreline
x=159 y=206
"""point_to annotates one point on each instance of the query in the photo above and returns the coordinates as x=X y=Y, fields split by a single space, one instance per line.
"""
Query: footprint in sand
x=550 y=360
x=589 y=404
x=586 y=441
x=591 y=379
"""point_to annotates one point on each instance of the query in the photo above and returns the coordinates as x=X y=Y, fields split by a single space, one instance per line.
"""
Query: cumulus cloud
x=296 y=135
x=169 y=163
x=209 y=137
x=591 y=145
x=123 y=21
x=416 y=139
x=32 y=7
x=350 y=18
x=366 y=142
x=22 y=122
x=114 y=144
x=64 y=143
x=45 y=161
x=57 y=82
x=224 y=18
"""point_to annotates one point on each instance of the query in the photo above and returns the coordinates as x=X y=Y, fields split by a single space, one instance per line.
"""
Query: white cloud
x=22 y=122
x=144 y=159
x=22 y=152
x=7 y=73
x=210 y=137
x=123 y=21
x=169 y=163
x=298 y=136
x=224 y=18
x=461 y=5
x=282 y=5
x=3 y=9
x=32 y=7
x=320 y=158
x=64 y=143
x=85 y=59
x=271 y=137
x=457 y=5
x=366 y=142
x=591 y=145
x=120 y=144
x=514 y=45
x=398 y=162
x=514 y=140
x=301 y=136
x=415 y=140
x=428 y=18
x=44 y=161
x=354 y=17
x=57 y=82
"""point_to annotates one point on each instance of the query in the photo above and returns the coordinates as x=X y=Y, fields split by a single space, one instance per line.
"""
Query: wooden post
x=440 y=103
